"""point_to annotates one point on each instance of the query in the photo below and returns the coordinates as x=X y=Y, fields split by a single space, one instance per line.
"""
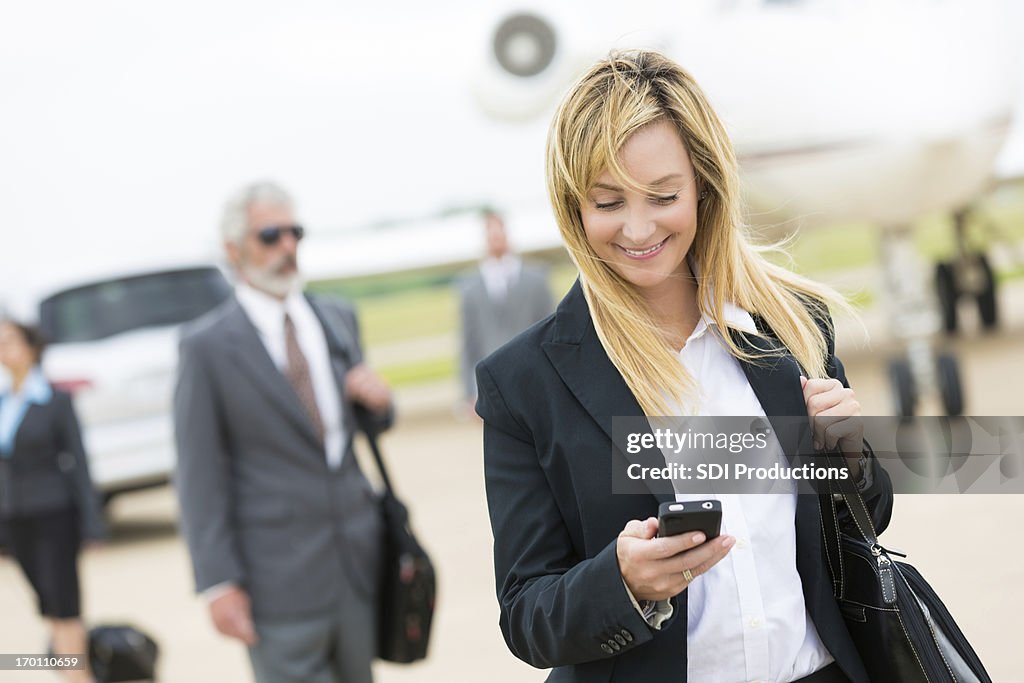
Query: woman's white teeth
x=644 y=252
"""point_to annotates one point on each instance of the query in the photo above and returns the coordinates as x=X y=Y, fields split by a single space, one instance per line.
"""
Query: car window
x=111 y=307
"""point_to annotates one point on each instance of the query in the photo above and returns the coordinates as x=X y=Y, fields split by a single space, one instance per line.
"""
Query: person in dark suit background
x=283 y=529
x=497 y=300
x=674 y=313
x=48 y=506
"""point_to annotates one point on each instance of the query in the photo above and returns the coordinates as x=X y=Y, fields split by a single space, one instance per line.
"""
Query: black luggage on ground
x=122 y=653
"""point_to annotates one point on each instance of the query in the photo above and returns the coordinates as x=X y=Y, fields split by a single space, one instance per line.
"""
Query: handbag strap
x=832 y=531
x=854 y=502
x=362 y=416
x=366 y=424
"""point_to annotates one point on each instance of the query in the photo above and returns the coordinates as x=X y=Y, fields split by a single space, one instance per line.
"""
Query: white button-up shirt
x=267 y=315
x=499 y=274
x=746 y=617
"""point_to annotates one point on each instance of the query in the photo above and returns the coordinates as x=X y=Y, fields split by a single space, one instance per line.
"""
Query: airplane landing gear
x=920 y=371
x=947 y=374
x=987 y=297
x=904 y=392
x=945 y=377
x=969 y=274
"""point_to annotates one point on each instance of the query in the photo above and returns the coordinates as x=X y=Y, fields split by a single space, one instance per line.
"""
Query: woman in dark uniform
x=675 y=313
x=48 y=506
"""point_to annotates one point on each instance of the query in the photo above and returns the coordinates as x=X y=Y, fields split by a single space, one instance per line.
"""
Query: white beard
x=271 y=283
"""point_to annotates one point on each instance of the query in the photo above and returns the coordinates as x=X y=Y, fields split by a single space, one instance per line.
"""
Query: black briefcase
x=408 y=584
x=407 y=590
x=122 y=653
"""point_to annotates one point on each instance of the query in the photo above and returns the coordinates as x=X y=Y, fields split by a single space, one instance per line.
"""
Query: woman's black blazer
x=47 y=470
x=547 y=400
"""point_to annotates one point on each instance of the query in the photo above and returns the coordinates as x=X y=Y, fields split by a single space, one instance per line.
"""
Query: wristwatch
x=865 y=473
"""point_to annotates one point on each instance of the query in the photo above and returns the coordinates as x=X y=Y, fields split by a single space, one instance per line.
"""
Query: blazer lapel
x=338 y=341
x=581 y=361
x=340 y=346
x=33 y=420
x=776 y=383
x=251 y=358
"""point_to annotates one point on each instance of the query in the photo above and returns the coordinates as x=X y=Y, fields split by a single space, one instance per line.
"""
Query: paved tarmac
x=969 y=547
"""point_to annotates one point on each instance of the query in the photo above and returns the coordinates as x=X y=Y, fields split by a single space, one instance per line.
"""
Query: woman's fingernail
x=728 y=542
x=698 y=538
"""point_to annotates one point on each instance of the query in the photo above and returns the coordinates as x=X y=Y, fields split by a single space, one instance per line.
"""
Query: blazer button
x=619 y=639
x=615 y=646
x=607 y=649
x=627 y=635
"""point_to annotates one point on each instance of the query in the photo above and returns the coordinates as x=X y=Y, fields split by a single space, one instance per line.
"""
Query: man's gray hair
x=235 y=219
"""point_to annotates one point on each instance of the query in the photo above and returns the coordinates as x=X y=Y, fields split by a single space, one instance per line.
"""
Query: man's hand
x=835 y=419
x=364 y=386
x=653 y=567
x=231 y=613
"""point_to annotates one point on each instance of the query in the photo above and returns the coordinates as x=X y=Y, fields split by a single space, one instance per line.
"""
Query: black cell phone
x=693 y=515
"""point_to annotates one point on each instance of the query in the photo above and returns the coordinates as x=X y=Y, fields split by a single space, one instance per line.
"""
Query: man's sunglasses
x=270 y=236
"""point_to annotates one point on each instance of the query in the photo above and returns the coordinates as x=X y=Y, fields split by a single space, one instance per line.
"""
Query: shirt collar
x=267 y=312
x=733 y=315
x=736 y=317
x=35 y=388
x=506 y=265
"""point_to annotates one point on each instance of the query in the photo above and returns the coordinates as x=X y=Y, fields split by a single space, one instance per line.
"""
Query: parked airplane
x=874 y=111
x=869 y=110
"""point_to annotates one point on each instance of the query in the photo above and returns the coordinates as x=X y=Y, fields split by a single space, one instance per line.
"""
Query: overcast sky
x=124 y=125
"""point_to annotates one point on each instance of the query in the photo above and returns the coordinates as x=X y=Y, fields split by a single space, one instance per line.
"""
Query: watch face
x=865 y=479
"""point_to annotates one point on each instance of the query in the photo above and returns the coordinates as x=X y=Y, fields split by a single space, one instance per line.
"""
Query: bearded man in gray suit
x=498 y=300
x=283 y=528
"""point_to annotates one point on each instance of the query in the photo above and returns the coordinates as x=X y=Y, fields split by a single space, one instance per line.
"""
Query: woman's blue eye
x=667 y=199
x=606 y=205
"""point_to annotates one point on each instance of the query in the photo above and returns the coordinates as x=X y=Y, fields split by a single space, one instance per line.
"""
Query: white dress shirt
x=267 y=315
x=746 y=617
x=499 y=274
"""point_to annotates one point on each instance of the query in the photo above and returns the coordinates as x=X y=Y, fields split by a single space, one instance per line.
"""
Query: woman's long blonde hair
x=617 y=97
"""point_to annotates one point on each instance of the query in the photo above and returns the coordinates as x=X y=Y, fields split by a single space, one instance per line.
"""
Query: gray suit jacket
x=259 y=505
x=487 y=324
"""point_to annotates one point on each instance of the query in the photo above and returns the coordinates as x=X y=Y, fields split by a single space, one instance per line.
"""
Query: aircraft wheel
x=948 y=375
x=904 y=392
x=987 y=298
x=945 y=287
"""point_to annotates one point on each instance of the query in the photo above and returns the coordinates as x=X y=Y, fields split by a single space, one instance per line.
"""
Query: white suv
x=113 y=345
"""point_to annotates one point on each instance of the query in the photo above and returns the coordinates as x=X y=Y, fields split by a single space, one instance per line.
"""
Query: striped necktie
x=299 y=377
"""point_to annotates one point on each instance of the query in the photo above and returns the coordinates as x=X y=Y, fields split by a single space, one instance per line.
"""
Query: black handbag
x=122 y=653
x=408 y=583
x=899 y=625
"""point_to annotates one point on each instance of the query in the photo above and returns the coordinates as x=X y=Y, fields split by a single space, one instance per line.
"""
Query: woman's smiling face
x=645 y=237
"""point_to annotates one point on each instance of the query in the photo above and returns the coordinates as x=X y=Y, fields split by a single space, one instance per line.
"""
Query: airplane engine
x=527 y=63
x=530 y=55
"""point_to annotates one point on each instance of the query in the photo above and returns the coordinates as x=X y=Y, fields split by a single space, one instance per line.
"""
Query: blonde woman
x=674 y=313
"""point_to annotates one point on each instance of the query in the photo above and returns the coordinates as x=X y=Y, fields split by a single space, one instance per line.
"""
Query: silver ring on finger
x=688 y=575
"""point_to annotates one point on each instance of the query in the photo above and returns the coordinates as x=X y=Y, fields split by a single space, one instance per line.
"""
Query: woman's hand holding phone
x=653 y=567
